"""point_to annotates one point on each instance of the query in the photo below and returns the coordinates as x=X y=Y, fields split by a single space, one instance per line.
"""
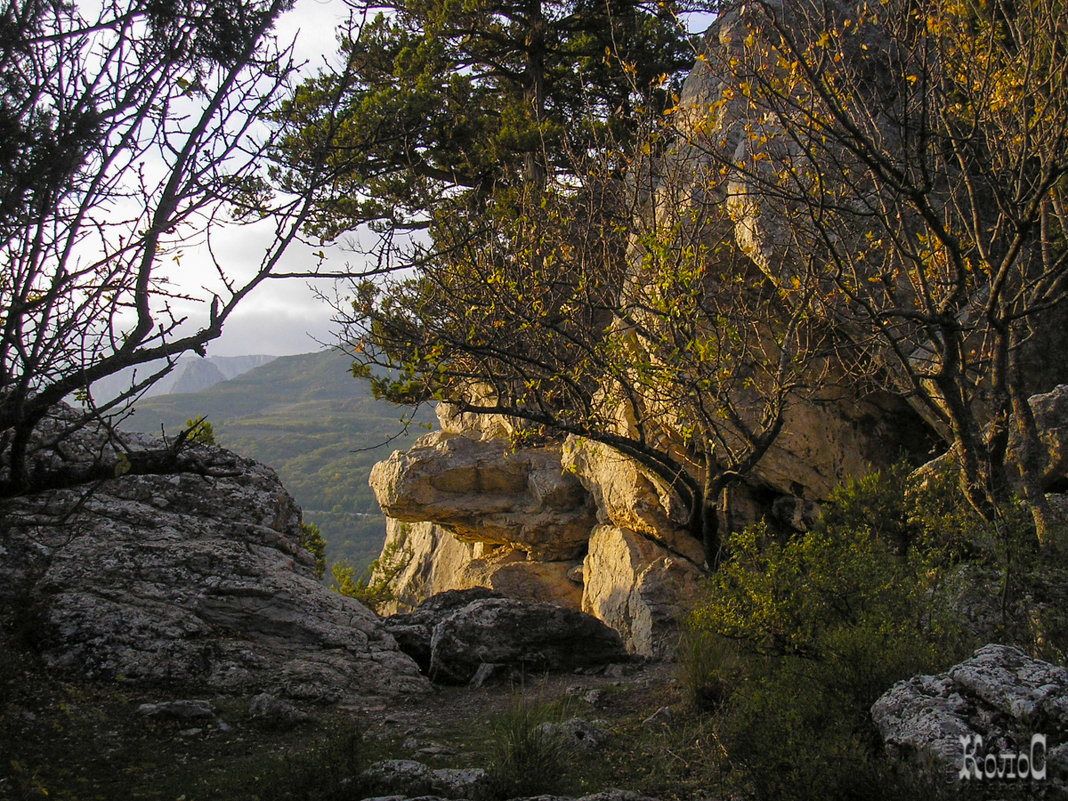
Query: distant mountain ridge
x=190 y=374
x=317 y=426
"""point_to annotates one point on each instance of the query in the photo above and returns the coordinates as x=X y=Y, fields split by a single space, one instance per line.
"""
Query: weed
x=523 y=758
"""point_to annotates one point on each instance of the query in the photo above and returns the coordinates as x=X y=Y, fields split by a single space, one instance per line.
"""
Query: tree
x=914 y=154
x=613 y=309
x=555 y=269
x=126 y=132
x=311 y=540
x=446 y=104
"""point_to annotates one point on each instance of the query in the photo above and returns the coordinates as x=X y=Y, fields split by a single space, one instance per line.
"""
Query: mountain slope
x=318 y=427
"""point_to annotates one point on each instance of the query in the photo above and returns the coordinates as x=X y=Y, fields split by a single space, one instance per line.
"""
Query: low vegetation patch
x=797 y=638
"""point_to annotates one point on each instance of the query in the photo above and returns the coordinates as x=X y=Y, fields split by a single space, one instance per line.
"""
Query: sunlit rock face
x=481 y=513
x=485 y=491
x=193 y=578
x=426 y=559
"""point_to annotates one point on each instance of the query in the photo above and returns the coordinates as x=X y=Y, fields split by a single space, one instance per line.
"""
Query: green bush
x=374 y=589
x=798 y=638
x=311 y=540
x=200 y=430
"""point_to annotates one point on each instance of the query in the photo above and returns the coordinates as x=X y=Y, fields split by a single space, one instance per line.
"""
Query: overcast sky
x=284 y=317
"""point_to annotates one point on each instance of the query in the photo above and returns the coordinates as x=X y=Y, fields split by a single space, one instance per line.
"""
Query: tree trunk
x=534 y=166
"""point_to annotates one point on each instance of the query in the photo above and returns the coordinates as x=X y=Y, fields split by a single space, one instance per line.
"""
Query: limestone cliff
x=474 y=510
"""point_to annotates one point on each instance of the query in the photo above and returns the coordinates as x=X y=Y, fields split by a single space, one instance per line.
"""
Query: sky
x=284 y=317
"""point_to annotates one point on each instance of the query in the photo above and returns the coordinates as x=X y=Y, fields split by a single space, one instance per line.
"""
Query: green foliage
x=523 y=760
x=797 y=639
x=311 y=540
x=200 y=430
x=374 y=588
x=444 y=103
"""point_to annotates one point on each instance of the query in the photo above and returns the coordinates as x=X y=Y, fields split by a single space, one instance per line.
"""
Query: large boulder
x=994 y=703
x=483 y=490
x=533 y=637
x=638 y=588
x=414 y=630
x=196 y=577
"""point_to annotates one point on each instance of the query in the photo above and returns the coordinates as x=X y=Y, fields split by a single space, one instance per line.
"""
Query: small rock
x=435 y=750
x=178 y=710
x=489 y=673
x=189 y=732
x=578 y=733
x=461 y=782
x=405 y=777
x=595 y=697
x=271 y=711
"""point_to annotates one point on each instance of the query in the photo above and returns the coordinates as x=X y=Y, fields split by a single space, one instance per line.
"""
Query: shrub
x=200 y=430
x=797 y=638
x=312 y=540
x=374 y=589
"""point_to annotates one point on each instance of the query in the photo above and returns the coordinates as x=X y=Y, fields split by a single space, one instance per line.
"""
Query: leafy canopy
x=445 y=102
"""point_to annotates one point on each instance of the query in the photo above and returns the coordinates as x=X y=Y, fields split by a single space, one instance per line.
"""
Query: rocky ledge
x=193 y=578
x=1001 y=715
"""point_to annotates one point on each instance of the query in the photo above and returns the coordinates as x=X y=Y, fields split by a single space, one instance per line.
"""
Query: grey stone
x=404 y=777
x=530 y=636
x=1000 y=694
x=191 y=578
x=269 y=710
x=595 y=697
x=178 y=710
x=579 y=734
x=461 y=782
x=414 y=630
x=489 y=673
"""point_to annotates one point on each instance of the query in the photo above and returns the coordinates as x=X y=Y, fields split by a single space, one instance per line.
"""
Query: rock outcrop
x=454 y=634
x=637 y=588
x=519 y=519
x=484 y=491
x=962 y=721
x=193 y=578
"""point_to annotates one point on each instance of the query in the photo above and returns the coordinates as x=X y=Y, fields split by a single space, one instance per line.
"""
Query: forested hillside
x=319 y=428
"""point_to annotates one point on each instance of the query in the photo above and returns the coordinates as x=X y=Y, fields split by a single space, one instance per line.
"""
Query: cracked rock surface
x=1000 y=695
x=189 y=579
